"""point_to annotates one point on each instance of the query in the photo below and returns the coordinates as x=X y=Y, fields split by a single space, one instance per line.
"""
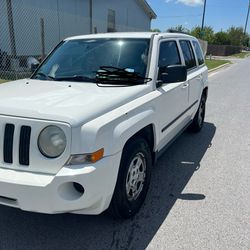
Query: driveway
x=199 y=197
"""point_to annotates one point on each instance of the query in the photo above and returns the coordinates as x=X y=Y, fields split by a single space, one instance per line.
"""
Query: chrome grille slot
x=8 y=143
x=24 y=146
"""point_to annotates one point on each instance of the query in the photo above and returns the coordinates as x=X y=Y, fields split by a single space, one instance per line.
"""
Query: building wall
x=129 y=15
x=64 y=18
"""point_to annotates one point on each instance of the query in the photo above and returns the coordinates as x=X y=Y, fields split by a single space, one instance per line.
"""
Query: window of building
x=199 y=53
x=188 y=54
x=111 y=21
x=169 y=54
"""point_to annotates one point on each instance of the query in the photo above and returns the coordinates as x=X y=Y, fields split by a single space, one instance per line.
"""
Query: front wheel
x=199 y=118
x=133 y=179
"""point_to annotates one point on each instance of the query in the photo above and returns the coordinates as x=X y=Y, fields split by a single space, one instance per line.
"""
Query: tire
x=198 y=121
x=133 y=179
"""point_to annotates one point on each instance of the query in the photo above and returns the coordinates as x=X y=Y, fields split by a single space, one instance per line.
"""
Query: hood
x=74 y=103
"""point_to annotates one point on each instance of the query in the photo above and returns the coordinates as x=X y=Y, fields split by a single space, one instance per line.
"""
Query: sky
x=220 y=14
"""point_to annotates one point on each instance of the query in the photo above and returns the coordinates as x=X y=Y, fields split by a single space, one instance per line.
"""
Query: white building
x=31 y=27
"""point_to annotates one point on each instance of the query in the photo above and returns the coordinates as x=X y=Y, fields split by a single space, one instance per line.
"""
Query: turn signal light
x=86 y=158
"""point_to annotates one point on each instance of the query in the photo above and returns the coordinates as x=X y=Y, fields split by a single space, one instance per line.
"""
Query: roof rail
x=177 y=31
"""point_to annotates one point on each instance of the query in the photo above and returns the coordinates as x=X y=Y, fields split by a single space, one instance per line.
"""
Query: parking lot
x=199 y=196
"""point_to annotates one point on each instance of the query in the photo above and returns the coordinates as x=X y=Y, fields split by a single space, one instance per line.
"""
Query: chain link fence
x=29 y=29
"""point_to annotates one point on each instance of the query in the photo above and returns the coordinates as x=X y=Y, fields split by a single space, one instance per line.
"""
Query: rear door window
x=188 y=54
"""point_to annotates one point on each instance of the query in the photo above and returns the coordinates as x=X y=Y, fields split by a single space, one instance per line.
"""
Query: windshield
x=82 y=59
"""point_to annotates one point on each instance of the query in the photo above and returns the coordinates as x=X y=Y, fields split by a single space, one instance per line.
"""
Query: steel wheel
x=133 y=179
x=136 y=177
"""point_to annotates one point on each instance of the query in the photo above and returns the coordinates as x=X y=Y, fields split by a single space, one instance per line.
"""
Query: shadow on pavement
x=173 y=171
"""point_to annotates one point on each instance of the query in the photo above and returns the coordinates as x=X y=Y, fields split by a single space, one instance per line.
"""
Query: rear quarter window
x=198 y=52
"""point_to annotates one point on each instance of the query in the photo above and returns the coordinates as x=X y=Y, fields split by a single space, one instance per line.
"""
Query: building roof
x=146 y=7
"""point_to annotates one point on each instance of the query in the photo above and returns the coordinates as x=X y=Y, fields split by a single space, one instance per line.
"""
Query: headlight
x=52 y=142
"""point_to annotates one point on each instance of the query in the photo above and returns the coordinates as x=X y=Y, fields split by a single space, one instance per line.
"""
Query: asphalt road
x=199 y=197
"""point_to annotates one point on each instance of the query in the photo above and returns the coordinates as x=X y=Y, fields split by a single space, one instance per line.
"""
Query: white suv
x=82 y=134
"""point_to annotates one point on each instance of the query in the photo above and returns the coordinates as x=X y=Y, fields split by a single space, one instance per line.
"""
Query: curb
x=219 y=67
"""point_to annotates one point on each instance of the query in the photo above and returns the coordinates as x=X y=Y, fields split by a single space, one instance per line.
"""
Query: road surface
x=199 y=197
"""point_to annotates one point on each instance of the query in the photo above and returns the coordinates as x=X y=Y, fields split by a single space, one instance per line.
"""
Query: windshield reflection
x=80 y=60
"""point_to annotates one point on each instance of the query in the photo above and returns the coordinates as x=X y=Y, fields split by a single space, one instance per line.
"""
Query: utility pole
x=90 y=16
x=42 y=38
x=203 y=17
x=11 y=27
x=245 y=31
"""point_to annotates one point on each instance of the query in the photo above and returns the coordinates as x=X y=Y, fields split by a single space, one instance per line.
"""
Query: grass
x=2 y=81
x=212 y=64
x=241 y=55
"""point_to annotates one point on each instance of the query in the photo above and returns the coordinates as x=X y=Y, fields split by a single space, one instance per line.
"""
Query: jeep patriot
x=82 y=133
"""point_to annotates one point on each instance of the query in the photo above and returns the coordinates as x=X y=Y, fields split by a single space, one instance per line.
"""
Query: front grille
x=24 y=144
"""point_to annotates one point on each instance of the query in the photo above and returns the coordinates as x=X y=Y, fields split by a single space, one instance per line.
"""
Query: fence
x=30 y=29
x=28 y=32
x=223 y=50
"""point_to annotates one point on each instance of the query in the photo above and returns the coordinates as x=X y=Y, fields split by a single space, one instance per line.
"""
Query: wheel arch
x=149 y=134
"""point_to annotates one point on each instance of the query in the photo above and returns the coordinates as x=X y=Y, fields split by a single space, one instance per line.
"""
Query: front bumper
x=56 y=194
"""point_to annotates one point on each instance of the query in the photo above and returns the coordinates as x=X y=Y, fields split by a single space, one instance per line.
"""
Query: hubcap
x=136 y=177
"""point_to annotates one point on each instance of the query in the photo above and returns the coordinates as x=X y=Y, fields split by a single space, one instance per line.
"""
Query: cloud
x=192 y=3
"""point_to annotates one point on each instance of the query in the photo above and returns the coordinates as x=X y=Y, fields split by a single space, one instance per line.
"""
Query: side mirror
x=34 y=67
x=172 y=74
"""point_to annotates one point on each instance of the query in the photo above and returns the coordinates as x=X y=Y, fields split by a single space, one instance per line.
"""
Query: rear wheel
x=198 y=120
x=133 y=179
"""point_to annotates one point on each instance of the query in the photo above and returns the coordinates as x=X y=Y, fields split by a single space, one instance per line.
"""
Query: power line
x=162 y=17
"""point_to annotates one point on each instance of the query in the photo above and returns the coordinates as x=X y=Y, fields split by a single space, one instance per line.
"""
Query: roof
x=146 y=7
x=129 y=35
x=114 y=35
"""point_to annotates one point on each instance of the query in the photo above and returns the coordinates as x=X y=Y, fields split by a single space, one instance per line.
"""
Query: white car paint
x=65 y=102
x=92 y=117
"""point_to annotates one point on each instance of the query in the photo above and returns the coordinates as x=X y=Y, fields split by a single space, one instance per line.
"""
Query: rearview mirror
x=172 y=74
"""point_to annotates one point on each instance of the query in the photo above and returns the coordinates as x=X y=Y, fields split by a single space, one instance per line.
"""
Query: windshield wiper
x=45 y=76
x=75 y=78
x=118 y=76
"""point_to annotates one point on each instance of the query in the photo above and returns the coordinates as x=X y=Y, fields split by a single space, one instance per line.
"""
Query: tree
x=156 y=30
x=221 y=38
x=179 y=28
x=237 y=36
x=206 y=34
